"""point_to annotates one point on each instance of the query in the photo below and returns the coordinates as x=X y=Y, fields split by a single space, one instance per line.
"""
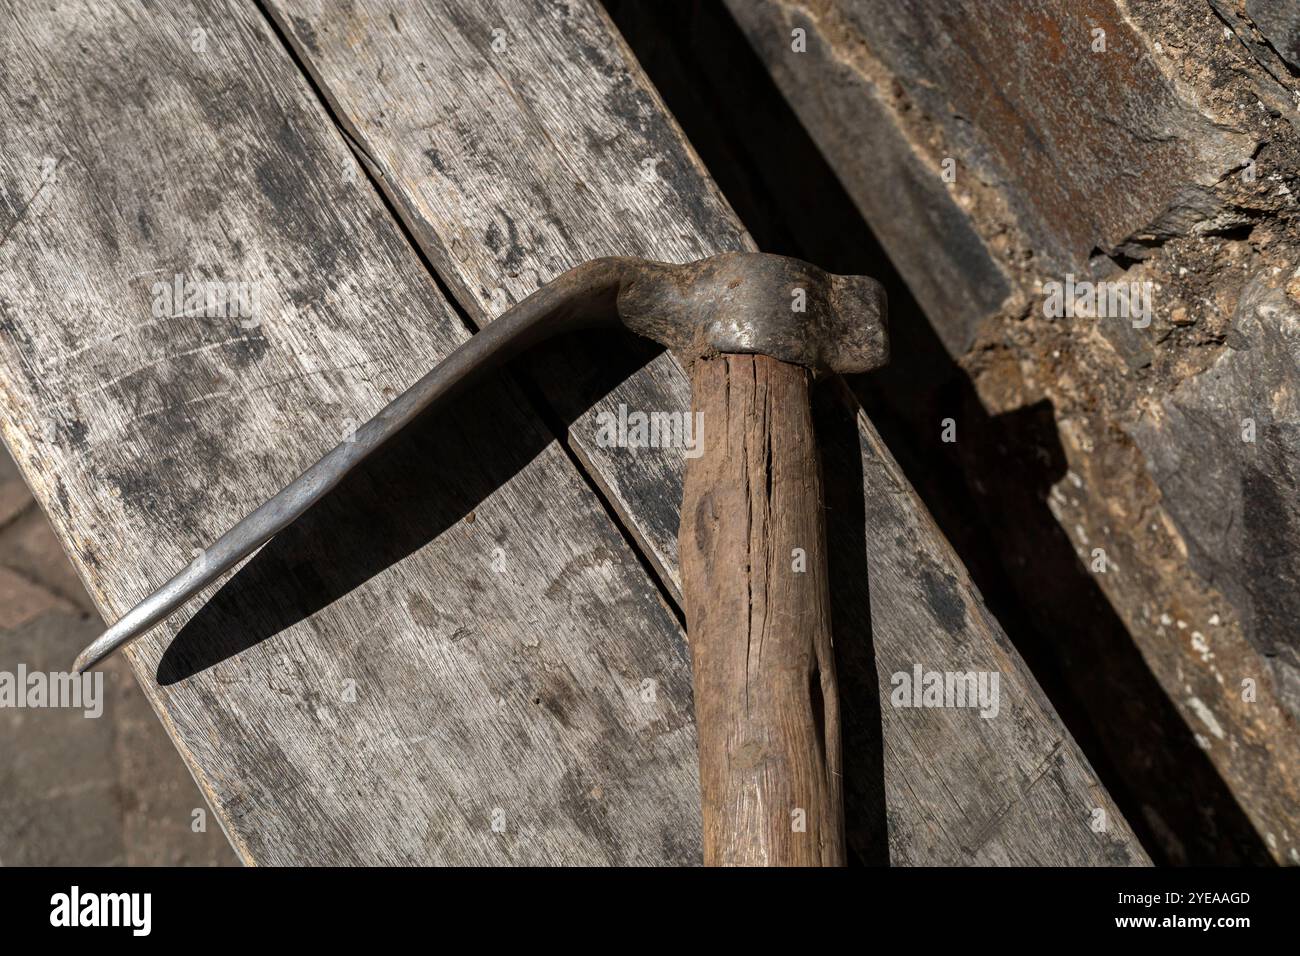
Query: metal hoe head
x=742 y=302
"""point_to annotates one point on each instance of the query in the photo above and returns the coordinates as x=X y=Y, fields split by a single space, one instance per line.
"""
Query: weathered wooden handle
x=753 y=553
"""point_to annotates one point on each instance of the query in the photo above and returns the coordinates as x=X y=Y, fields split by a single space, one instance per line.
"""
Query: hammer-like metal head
x=746 y=302
x=752 y=302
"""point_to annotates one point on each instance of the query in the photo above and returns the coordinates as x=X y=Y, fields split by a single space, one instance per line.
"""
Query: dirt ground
x=75 y=790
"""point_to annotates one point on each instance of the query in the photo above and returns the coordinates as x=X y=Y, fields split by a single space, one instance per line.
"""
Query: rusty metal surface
x=750 y=302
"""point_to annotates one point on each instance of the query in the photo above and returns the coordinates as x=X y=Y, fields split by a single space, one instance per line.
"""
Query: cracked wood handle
x=766 y=704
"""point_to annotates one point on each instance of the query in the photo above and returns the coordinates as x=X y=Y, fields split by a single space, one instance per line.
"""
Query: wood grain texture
x=517 y=140
x=457 y=658
x=510 y=164
x=1062 y=141
x=758 y=611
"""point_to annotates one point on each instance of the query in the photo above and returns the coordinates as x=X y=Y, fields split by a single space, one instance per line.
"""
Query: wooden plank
x=512 y=140
x=1042 y=130
x=1158 y=152
x=465 y=143
x=754 y=563
x=453 y=659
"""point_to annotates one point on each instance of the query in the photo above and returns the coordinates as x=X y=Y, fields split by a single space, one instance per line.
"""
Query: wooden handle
x=753 y=553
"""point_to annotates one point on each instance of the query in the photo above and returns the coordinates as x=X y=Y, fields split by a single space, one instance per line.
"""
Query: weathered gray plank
x=460 y=633
x=508 y=174
x=1171 y=146
x=509 y=165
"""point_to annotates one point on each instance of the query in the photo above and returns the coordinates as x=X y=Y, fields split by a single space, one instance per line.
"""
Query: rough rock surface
x=1122 y=141
x=1223 y=448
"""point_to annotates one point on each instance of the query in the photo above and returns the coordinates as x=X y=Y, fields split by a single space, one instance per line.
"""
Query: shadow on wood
x=988 y=491
x=866 y=831
x=434 y=474
x=428 y=478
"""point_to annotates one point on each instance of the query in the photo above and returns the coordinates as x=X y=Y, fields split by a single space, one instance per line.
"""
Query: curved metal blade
x=731 y=302
x=584 y=296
